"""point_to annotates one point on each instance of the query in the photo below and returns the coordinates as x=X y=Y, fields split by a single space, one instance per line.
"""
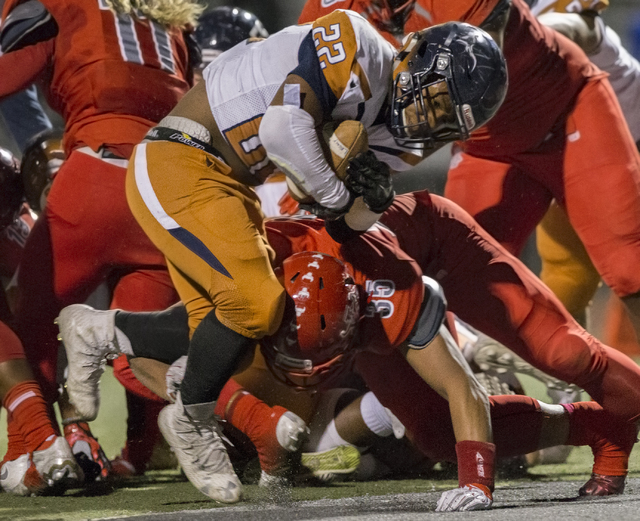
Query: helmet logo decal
x=467 y=115
x=308 y=277
x=300 y=311
x=303 y=293
x=314 y=264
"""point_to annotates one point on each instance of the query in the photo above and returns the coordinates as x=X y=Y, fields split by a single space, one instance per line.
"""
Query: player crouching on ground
x=330 y=327
x=190 y=182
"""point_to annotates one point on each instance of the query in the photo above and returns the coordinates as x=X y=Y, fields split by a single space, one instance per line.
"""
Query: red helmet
x=11 y=190
x=312 y=346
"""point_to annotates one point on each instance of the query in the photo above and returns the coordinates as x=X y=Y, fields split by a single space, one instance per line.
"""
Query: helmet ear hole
x=321 y=283
x=323 y=324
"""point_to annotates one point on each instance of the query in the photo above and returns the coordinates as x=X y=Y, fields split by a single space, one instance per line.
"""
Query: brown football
x=340 y=144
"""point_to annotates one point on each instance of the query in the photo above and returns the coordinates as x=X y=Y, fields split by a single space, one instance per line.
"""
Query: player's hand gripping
x=369 y=177
x=463 y=499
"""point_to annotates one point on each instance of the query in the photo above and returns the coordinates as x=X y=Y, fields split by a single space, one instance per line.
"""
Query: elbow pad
x=289 y=136
x=27 y=24
x=434 y=306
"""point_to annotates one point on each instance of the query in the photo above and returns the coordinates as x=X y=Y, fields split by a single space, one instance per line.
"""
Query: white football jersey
x=341 y=56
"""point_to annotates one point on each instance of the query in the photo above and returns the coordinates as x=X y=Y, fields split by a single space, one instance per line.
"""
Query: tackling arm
x=435 y=356
x=442 y=366
x=581 y=28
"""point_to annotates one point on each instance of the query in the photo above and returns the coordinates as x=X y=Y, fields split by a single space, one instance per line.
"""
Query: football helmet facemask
x=11 y=191
x=448 y=80
x=313 y=346
x=223 y=27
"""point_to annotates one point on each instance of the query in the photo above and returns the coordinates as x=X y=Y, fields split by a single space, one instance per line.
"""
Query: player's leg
x=143 y=290
x=37 y=457
x=495 y=293
x=61 y=263
x=500 y=197
x=566 y=267
x=605 y=214
x=220 y=265
x=520 y=423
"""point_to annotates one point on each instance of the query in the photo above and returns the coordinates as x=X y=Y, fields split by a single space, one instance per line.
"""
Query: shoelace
x=205 y=448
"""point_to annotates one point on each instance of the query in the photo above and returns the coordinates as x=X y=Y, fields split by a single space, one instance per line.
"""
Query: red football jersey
x=110 y=77
x=546 y=70
x=390 y=278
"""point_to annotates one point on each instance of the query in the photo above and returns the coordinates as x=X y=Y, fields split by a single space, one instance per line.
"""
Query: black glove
x=328 y=214
x=370 y=178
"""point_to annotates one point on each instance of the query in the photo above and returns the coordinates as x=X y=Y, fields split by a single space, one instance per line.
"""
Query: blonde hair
x=171 y=13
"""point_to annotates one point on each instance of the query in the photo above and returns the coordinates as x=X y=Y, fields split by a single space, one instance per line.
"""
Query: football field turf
x=158 y=494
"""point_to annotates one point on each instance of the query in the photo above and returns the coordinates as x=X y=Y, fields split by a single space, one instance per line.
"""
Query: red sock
x=254 y=418
x=610 y=439
x=16 y=446
x=28 y=415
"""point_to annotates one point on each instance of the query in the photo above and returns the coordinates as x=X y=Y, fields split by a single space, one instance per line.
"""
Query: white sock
x=330 y=438
x=375 y=416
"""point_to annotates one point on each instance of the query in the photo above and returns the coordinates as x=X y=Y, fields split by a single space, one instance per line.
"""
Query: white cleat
x=291 y=432
x=489 y=354
x=198 y=446
x=58 y=466
x=20 y=477
x=89 y=338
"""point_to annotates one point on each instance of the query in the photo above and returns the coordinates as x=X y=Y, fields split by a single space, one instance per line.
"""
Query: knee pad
x=434 y=307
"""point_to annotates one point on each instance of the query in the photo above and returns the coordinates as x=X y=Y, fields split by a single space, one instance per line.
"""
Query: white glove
x=464 y=499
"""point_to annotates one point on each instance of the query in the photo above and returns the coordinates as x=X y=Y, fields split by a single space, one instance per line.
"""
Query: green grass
x=167 y=491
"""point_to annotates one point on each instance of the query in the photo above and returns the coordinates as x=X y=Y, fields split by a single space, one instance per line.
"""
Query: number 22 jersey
x=341 y=56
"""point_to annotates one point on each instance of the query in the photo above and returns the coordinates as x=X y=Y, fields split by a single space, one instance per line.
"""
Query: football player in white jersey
x=190 y=181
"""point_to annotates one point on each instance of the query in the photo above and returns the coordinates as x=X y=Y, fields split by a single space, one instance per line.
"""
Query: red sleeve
x=25 y=66
x=314 y=9
x=473 y=12
x=393 y=284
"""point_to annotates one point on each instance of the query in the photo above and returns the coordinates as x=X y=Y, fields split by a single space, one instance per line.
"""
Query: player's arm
x=289 y=134
x=435 y=356
x=581 y=28
x=27 y=41
x=496 y=22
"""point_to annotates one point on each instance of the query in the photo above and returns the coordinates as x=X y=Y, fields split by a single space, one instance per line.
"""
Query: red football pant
x=590 y=165
x=494 y=292
x=85 y=236
x=516 y=420
x=10 y=346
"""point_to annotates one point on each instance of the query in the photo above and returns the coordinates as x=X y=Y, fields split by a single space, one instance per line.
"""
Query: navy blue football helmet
x=448 y=80
x=223 y=27
x=11 y=190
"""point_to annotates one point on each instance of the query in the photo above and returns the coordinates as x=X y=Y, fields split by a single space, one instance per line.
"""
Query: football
x=340 y=144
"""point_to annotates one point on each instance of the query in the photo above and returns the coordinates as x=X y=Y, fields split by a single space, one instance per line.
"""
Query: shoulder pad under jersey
x=27 y=24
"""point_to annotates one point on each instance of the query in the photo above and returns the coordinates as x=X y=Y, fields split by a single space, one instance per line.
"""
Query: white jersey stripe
x=146 y=190
x=128 y=39
x=163 y=47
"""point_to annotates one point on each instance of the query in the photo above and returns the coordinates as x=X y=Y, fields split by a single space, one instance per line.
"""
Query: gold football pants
x=566 y=266
x=211 y=230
